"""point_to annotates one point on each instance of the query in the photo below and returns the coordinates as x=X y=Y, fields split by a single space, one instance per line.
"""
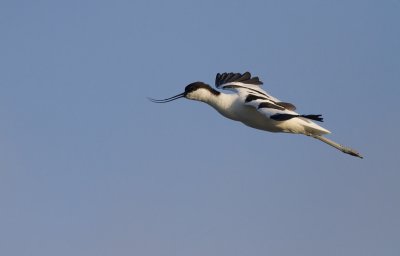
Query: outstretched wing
x=244 y=78
x=250 y=88
x=278 y=111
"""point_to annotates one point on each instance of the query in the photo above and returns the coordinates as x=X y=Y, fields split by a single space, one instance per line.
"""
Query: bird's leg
x=337 y=145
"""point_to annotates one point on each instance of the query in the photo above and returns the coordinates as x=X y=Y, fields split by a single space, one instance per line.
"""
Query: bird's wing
x=275 y=110
x=278 y=111
x=245 y=78
x=250 y=88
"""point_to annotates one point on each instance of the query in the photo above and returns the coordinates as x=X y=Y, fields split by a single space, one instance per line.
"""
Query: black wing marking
x=252 y=97
x=284 y=117
x=270 y=104
x=266 y=102
x=245 y=78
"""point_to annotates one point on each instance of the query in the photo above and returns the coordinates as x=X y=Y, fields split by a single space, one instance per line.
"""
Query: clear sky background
x=88 y=166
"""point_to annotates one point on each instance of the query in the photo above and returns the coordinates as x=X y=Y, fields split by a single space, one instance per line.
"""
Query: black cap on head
x=200 y=85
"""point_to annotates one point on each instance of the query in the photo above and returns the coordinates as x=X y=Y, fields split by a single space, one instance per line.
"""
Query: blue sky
x=88 y=166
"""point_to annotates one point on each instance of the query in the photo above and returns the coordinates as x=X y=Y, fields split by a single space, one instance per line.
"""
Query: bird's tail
x=338 y=146
x=310 y=127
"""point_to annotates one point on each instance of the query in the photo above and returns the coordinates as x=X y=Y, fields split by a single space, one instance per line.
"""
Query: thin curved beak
x=168 y=99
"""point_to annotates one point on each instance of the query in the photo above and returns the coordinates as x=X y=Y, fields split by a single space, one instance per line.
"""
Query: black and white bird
x=254 y=107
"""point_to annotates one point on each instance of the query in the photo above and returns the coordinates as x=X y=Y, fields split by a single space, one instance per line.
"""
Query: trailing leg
x=338 y=146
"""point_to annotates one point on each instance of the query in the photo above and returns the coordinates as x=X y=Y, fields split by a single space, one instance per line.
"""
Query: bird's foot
x=351 y=152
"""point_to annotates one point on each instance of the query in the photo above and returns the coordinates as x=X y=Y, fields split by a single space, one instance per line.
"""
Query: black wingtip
x=314 y=117
x=236 y=77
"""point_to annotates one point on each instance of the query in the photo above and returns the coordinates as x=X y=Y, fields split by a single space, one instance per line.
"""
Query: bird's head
x=195 y=91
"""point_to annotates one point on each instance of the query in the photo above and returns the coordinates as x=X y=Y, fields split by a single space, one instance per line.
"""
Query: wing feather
x=287 y=105
x=245 y=78
x=268 y=107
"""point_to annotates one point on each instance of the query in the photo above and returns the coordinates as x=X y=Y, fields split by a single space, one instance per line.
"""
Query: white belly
x=251 y=117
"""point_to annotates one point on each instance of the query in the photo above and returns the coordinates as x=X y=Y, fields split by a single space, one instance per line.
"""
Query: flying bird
x=254 y=107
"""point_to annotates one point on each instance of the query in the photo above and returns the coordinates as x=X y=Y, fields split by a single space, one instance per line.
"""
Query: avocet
x=254 y=107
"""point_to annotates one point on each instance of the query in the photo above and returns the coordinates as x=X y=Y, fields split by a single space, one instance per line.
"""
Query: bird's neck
x=223 y=103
